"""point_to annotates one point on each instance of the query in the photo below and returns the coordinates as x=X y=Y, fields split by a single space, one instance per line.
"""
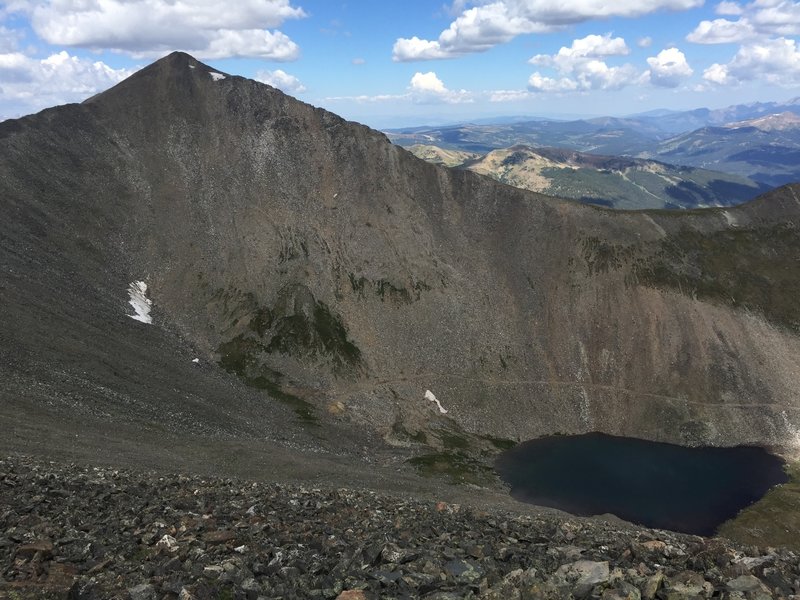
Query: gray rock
x=144 y=591
x=625 y=591
x=652 y=585
x=686 y=585
x=581 y=576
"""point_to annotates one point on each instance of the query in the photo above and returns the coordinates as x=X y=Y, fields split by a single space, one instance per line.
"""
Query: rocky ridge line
x=85 y=533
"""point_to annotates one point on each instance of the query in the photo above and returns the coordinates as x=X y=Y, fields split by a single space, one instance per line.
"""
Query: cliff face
x=304 y=257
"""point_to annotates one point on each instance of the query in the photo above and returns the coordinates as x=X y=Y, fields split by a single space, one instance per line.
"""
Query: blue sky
x=404 y=62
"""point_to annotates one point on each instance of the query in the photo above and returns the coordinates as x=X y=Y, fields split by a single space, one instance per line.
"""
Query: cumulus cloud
x=428 y=88
x=668 y=68
x=358 y=61
x=644 y=42
x=427 y=83
x=206 y=28
x=405 y=50
x=718 y=74
x=774 y=61
x=483 y=24
x=581 y=66
x=31 y=84
x=539 y=83
x=282 y=80
x=582 y=51
x=759 y=19
x=721 y=31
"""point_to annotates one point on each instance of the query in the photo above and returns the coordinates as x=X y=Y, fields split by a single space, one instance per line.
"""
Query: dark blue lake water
x=693 y=490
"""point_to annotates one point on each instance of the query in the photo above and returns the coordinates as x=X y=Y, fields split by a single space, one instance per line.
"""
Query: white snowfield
x=141 y=304
x=216 y=76
x=429 y=396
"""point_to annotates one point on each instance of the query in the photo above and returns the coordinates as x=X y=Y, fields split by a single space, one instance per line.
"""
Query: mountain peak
x=772 y=122
x=176 y=82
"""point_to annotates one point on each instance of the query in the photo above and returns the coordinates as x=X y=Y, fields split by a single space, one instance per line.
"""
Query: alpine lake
x=658 y=485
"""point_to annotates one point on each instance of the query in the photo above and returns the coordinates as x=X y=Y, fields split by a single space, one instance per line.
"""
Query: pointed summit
x=176 y=72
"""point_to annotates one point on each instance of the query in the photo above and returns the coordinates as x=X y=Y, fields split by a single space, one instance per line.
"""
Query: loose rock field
x=69 y=531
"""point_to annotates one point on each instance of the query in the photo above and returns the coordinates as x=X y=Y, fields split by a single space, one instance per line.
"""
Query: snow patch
x=191 y=66
x=141 y=304
x=216 y=76
x=429 y=396
x=195 y=360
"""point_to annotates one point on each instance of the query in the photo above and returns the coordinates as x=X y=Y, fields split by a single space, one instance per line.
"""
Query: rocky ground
x=77 y=532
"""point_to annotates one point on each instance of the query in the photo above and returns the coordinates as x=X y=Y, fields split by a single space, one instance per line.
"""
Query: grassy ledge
x=772 y=521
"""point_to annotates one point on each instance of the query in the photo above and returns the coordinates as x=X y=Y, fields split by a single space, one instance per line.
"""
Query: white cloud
x=281 y=80
x=774 y=61
x=777 y=17
x=594 y=75
x=721 y=31
x=416 y=49
x=488 y=23
x=31 y=84
x=718 y=74
x=582 y=51
x=358 y=61
x=428 y=88
x=760 y=19
x=729 y=8
x=539 y=83
x=427 y=83
x=580 y=66
x=250 y=42
x=597 y=75
x=668 y=68
x=206 y=28
x=644 y=42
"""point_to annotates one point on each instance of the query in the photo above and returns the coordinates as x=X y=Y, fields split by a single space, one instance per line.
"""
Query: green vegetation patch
x=755 y=269
x=602 y=256
x=453 y=440
x=298 y=326
x=501 y=444
x=399 y=430
x=459 y=456
x=772 y=521
x=457 y=466
x=317 y=333
x=240 y=356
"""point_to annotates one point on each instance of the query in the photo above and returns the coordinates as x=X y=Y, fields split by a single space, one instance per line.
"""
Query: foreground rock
x=88 y=533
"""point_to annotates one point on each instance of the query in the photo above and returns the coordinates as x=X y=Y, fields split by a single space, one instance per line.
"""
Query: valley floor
x=87 y=532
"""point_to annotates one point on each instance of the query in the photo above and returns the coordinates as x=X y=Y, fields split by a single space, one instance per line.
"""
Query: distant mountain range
x=765 y=149
x=603 y=135
x=683 y=121
x=760 y=141
x=614 y=182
